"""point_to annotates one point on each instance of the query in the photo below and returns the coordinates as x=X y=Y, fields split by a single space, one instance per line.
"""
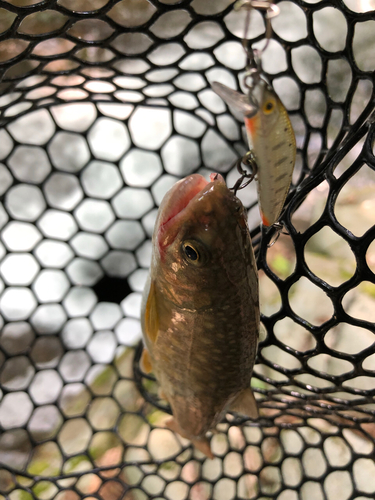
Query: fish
x=271 y=139
x=200 y=307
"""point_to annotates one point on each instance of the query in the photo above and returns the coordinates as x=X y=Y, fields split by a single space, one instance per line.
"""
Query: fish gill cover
x=103 y=106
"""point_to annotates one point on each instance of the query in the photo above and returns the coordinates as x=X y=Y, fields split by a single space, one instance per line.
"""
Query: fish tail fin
x=201 y=444
x=245 y=403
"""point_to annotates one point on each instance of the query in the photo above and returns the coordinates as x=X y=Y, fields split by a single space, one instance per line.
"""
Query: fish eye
x=194 y=252
x=268 y=107
x=190 y=252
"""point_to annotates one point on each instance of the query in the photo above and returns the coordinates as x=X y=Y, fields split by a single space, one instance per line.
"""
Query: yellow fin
x=201 y=444
x=151 y=315
x=146 y=365
x=245 y=403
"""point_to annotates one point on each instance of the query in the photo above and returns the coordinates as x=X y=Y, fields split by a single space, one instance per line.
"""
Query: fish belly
x=202 y=363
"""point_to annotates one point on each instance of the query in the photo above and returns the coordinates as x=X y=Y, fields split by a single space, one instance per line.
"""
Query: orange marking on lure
x=265 y=221
x=250 y=125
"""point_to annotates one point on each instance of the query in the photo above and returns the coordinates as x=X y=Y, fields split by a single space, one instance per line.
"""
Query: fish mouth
x=182 y=193
x=177 y=200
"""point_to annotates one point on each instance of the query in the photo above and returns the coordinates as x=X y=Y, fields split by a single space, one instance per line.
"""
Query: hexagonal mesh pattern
x=104 y=104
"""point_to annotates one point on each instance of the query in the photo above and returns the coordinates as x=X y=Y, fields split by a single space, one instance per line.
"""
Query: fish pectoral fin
x=245 y=403
x=201 y=444
x=145 y=362
x=151 y=316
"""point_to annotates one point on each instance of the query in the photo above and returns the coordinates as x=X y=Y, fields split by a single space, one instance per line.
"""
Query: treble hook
x=253 y=56
x=278 y=227
x=249 y=161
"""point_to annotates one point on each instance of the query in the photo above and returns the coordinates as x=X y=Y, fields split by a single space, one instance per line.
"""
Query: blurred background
x=104 y=105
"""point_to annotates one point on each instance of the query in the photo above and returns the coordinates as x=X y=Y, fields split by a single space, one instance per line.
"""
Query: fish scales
x=206 y=314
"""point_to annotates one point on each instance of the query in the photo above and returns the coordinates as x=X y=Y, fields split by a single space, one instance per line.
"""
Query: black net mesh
x=104 y=104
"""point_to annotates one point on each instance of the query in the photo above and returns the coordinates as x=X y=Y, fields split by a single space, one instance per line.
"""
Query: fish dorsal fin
x=151 y=316
x=245 y=403
x=237 y=100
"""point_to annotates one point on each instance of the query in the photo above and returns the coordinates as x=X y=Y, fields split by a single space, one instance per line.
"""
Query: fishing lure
x=200 y=308
x=272 y=141
x=269 y=131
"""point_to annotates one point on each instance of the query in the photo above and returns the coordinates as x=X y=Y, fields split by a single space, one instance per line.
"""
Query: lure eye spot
x=268 y=107
x=190 y=252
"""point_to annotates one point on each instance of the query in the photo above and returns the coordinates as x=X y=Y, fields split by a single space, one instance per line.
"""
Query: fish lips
x=173 y=209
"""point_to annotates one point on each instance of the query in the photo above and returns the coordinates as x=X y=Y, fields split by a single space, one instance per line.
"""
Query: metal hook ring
x=249 y=161
x=278 y=226
x=251 y=78
x=271 y=10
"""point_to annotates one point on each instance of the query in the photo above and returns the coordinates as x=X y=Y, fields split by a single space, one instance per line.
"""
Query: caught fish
x=271 y=139
x=200 y=309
